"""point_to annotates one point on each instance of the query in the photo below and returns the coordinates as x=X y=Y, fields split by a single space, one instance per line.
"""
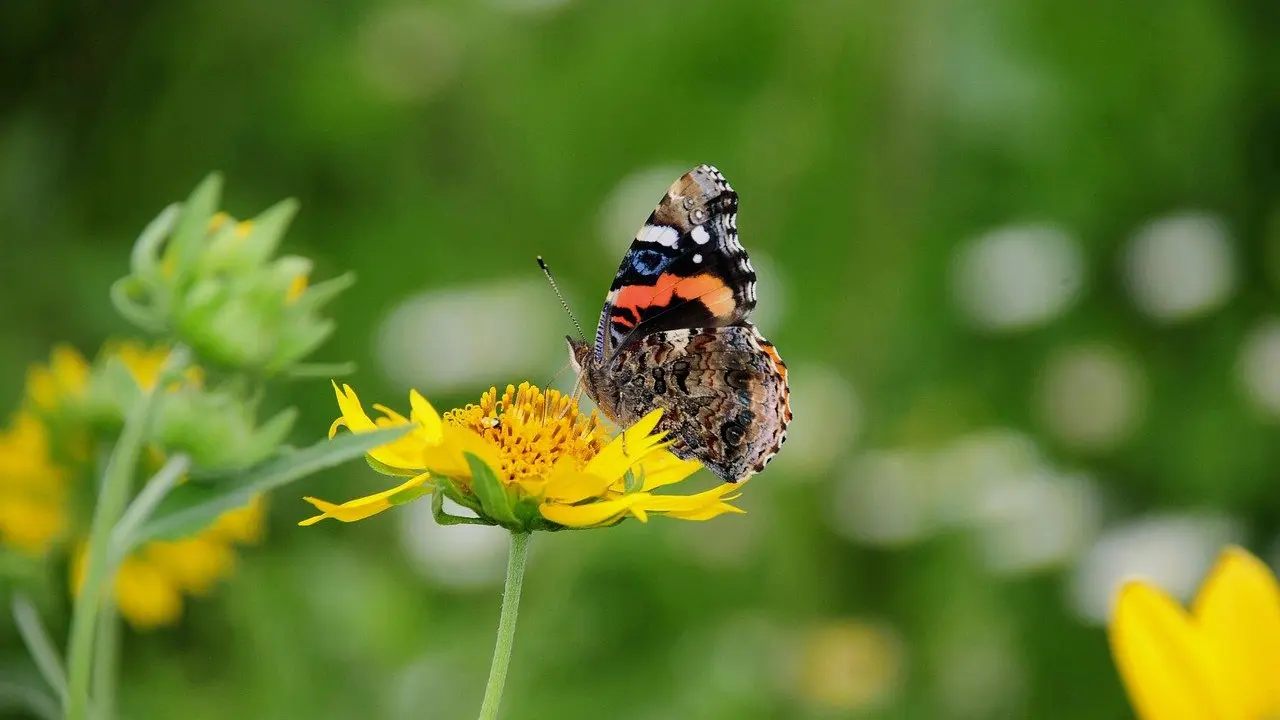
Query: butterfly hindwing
x=723 y=392
x=685 y=268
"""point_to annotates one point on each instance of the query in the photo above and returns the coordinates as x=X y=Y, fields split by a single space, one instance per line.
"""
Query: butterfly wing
x=723 y=392
x=685 y=268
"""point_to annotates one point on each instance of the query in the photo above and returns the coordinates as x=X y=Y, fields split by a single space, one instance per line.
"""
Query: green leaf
x=384 y=469
x=192 y=507
x=19 y=697
x=118 y=385
x=311 y=371
x=144 y=260
x=130 y=309
x=454 y=493
x=632 y=482
x=39 y=644
x=320 y=294
x=188 y=237
x=493 y=497
x=444 y=518
x=268 y=229
x=408 y=495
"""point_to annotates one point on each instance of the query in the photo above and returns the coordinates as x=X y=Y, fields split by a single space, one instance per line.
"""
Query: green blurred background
x=1022 y=258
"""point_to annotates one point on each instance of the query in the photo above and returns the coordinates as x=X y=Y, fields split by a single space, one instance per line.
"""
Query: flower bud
x=216 y=285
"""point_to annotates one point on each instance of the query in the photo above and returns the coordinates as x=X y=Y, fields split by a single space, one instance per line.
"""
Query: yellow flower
x=1220 y=661
x=151 y=582
x=36 y=488
x=554 y=467
x=33 y=490
x=66 y=375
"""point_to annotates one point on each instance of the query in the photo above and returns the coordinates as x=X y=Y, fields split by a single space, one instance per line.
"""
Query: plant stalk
x=112 y=499
x=506 y=625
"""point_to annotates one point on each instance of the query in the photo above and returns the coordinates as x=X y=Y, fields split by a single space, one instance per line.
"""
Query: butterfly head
x=579 y=353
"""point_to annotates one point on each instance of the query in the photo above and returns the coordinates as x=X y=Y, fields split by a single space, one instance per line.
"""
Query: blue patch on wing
x=648 y=262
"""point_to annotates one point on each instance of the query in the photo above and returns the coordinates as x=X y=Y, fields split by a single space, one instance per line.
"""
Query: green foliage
x=869 y=142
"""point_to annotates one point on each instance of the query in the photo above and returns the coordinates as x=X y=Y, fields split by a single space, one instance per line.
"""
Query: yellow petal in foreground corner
x=556 y=466
x=1220 y=661
x=361 y=508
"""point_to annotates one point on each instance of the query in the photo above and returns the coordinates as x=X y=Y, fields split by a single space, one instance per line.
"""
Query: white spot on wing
x=697 y=257
x=660 y=234
x=700 y=236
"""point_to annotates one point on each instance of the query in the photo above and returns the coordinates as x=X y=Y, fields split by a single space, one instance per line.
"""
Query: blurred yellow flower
x=849 y=665
x=37 y=493
x=33 y=490
x=1220 y=661
x=555 y=466
x=151 y=582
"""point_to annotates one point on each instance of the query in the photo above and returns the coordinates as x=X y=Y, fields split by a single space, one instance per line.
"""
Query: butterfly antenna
x=556 y=289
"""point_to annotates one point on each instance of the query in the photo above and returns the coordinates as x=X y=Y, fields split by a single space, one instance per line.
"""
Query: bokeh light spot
x=1018 y=277
x=408 y=52
x=1180 y=267
x=1171 y=551
x=483 y=334
x=1259 y=366
x=1090 y=397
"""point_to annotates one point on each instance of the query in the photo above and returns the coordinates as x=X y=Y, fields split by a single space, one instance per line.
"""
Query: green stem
x=112 y=498
x=506 y=625
x=106 y=662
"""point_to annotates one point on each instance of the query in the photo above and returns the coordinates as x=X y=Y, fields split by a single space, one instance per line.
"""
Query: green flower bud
x=216 y=286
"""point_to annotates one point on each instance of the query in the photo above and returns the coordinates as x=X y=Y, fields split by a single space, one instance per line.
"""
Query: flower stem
x=113 y=496
x=506 y=625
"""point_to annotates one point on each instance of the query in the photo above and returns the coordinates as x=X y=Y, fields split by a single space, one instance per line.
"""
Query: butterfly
x=675 y=333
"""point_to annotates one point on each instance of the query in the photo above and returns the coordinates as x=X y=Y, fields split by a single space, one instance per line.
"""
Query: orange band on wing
x=708 y=289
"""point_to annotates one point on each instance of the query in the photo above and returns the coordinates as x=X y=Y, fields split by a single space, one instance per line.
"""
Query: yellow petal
x=706 y=513
x=360 y=508
x=352 y=412
x=567 y=484
x=1238 y=612
x=588 y=515
x=426 y=416
x=389 y=414
x=146 y=596
x=194 y=564
x=402 y=453
x=663 y=468
x=447 y=459
x=1163 y=662
x=626 y=450
x=690 y=503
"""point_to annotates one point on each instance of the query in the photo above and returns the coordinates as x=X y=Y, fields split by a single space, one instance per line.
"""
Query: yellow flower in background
x=33 y=490
x=1220 y=661
x=38 y=490
x=151 y=582
x=555 y=467
x=66 y=375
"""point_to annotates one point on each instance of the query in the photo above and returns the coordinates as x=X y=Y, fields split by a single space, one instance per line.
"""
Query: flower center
x=532 y=429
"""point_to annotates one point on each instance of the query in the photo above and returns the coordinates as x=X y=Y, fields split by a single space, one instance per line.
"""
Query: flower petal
x=363 y=507
x=352 y=412
x=588 y=515
x=706 y=513
x=567 y=484
x=446 y=457
x=426 y=416
x=1163 y=662
x=1238 y=613
x=679 y=503
x=663 y=468
x=403 y=453
x=626 y=450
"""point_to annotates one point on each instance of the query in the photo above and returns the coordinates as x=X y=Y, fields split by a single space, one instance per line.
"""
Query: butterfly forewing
x=685 y=268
